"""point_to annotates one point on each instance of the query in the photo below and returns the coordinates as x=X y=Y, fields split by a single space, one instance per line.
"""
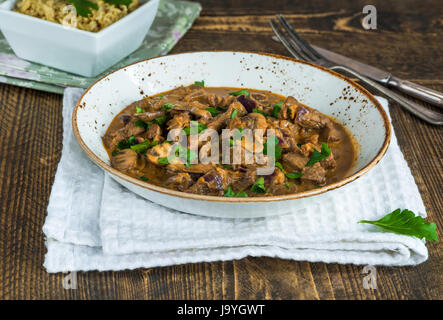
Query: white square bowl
x=73 y=50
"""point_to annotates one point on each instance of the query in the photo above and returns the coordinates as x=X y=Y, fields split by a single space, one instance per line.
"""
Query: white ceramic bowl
x=73 y=50
x=315 y=86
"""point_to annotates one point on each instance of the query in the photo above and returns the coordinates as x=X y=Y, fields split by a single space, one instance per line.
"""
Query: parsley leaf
x=144 y=178
x=214 y=112
x=259 y=186
x=260 y=111
x=167 y=106
x=230 y=193
x=200 y=127
x=83 y=7
x=141 y=148
x=276 y=109
x=190 y=155
x=163 y=160
x=125 y=144
x=239 y=93
x=407 y=223
x=119 y=2
x=141 y=123
x=318 y=156
x=200 y=83
x=293 y=175
x=277 y=149
x=161 y=120
x=234 y=114
x=139 y=110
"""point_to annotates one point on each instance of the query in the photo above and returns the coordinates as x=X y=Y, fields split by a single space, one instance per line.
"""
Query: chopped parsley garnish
x=161 y=120
x=141 y=123
x=200 y=127
x=125 y=144
x=200 y=83
x=144 y=178
x=407 y=223
x=139 y=110
x=259 y=186
x=230 y=193
x=234 y=114
x=214 y=111
x=287 y=185
x=293 y=175
x=226 y=166
x=160 y=97
x=318 y=156
x=190 y=154
x=115 y=152
x=277 y=150
x=83 y=7
x=231 y=142
x=240 y=92
x=163 y=160
x=141 y=148
x=276 y=109
x=260 y=111
x=167 y=106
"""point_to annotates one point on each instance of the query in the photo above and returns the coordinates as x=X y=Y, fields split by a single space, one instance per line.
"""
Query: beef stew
x=310 y=149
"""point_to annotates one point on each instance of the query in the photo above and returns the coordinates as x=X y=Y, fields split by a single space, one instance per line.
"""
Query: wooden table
x=408 y=41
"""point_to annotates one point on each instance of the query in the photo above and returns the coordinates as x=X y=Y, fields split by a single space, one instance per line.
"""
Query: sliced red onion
x=247 y=103
x=300 y=112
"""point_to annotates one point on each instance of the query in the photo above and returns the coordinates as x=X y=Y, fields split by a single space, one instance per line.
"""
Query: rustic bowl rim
x=304 y=194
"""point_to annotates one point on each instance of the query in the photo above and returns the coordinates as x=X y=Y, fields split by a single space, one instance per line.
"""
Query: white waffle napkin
x=93 y=223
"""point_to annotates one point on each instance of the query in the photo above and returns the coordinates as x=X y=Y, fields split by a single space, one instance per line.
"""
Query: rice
x=52 y=10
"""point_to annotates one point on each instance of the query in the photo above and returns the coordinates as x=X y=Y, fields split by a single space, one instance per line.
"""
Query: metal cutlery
x=301 y=49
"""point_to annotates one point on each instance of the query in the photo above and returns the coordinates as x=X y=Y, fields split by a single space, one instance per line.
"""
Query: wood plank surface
x=408 y=41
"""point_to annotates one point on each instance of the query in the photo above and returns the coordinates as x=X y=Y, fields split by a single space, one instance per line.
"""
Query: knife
x=385 y=78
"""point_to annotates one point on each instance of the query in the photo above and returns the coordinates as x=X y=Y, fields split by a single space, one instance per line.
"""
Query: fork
x=302 y=50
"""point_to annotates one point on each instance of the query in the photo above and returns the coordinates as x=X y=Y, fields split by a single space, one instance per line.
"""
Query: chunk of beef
x=196 y=95
x=196 y=111
x=179 y=121
x=179 y=181
x=199 y=168
x=288 y=109
x=254 y=121
x=127 y=159
x=329 y=162
x=154 y=132
x=157 y=152
x=331 y=133
x=227 y=101
x=311 y=119
x=243 y=179
x=218 y=122
x=111 y=139
x=294 y=161
x=214 y=182
x=214 y=100
x=149 y=116
x=315 y=173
